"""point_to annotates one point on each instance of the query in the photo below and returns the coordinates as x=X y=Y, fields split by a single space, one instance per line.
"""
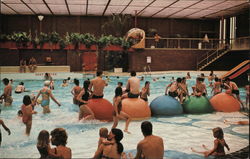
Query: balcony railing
x=242 y=43
x=182 y=43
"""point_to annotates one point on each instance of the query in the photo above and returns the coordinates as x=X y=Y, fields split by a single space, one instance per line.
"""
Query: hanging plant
x=54 y=37
x=75 y=38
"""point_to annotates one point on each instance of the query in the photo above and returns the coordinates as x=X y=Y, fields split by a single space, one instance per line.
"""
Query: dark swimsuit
x=96 y=97
x=85 y=97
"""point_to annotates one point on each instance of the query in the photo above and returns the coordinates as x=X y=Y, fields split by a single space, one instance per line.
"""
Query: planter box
x=113 y=48
x=8 y=45
x=118 y=70
x=83 y=47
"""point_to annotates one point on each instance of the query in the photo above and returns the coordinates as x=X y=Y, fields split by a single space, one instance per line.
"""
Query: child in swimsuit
x=27 y=113
x=219 y=144
x=46 y=95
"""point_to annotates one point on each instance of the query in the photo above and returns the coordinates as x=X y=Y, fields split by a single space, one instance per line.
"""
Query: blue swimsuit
x=45 y=102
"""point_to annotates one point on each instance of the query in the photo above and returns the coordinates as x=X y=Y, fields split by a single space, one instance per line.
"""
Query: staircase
x=210 y=57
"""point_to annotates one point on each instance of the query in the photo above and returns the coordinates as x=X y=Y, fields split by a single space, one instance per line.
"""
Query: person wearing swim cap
x=46 y=95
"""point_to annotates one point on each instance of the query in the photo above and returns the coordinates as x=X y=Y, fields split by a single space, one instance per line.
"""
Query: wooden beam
x=126 y=6
x=48 y=7
x=164 y=8
x=184 y=8
x=67 y=7
x=10 y=8
x=206 y=8
x=146 y=7
x=28 y=7
x=106 y=8
x=87 y=5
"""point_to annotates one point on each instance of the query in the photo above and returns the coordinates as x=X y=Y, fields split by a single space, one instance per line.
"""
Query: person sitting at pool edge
x=98 y=85
x=133 y=86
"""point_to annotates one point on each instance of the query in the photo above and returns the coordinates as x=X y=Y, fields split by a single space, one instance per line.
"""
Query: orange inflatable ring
x=137 y=108
x=225 y=103
x=102 y=109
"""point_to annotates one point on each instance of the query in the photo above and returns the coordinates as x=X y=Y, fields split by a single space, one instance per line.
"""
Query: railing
x=182 y=43
x=242 y=43
x=211 y=56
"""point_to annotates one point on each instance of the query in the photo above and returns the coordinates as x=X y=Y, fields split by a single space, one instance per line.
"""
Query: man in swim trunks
x=133 y=86
x=32 y=64
x=46 y=95
x=7 y=93
x=151 y=146
x=98 y=85
x=234 y=89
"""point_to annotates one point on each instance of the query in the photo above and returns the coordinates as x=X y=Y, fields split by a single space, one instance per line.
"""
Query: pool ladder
x=147 y=70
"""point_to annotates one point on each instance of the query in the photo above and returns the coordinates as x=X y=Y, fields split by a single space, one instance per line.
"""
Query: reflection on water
x=179 y=132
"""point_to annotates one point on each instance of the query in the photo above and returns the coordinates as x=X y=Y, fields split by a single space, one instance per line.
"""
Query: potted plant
x=44 y=41
x=74 y=38
x=87 y=40
x=21 y=39
x=5 y=41
x=103 y=41
x=54 y=39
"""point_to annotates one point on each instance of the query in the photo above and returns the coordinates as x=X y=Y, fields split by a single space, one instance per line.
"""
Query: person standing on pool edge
x=98 y=85
x=46 y=94
x=133 y=86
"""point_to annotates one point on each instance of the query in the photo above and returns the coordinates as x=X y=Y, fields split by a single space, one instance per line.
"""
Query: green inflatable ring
x=197 y=105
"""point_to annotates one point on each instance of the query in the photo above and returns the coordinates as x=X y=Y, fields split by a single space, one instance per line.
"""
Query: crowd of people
x=109 y=144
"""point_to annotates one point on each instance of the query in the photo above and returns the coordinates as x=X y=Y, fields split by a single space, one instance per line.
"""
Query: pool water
x=178 y=132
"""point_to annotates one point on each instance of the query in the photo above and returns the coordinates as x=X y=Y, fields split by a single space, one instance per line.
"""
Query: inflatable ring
x=165 y=106
x=197 y=105
x=102 y=109
x=137 y=108
x=225 y=103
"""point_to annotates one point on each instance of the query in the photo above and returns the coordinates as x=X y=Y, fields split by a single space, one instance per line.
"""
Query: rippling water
x=179 y=132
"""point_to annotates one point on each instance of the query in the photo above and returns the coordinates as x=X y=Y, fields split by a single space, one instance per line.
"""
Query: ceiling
x=190 y=9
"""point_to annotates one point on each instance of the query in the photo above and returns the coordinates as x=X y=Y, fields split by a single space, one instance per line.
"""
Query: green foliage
x=103 y=41
x=62 y=44
x=43 y=38
x=117 y=25
x=54 y=37
x=87 y=39
x=4 y=38
x=20 y=37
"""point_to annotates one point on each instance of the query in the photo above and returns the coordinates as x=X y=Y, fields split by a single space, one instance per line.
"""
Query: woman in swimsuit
x=85 y=112
x=43 y=146
x=59 y=139
x=118 y=113
x=219 y=144
x=111 y=151
x=46 y=95
x=76 y=91
x=145 y=92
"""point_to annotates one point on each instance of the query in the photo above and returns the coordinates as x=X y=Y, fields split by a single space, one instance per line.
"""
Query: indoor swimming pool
x=179 y=133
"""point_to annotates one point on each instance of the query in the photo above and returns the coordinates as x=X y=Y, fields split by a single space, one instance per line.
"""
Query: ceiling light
x=40 y=17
